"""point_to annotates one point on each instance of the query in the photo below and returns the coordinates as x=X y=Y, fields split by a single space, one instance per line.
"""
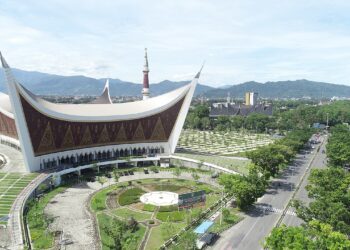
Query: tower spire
x=145 y=89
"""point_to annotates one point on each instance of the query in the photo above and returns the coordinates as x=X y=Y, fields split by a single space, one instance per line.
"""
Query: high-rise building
x=251 y=98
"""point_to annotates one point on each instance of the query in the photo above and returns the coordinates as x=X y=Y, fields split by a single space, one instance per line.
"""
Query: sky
x=239 y=40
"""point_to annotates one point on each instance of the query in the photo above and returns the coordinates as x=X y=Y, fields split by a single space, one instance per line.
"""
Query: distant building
x=231 y=109
x=251 y=98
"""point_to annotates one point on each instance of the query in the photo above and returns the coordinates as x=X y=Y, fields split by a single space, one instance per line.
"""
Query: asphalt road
x=318 y=163
x=249 y=234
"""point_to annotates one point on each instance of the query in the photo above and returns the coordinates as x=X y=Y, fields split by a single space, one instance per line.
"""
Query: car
x=206 y=240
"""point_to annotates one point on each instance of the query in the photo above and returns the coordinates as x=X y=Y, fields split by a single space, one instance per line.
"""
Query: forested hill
x=49 y=84
x=283 y=89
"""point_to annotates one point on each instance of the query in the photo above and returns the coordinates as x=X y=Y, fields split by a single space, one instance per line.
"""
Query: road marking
x=275 y=210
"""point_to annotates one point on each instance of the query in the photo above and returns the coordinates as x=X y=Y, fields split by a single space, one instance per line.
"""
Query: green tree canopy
x=315 y=236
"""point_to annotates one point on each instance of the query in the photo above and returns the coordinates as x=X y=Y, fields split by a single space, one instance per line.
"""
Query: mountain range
x=49 y=84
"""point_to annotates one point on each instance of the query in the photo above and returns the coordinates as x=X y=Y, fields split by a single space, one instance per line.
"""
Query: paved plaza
x=160 y=198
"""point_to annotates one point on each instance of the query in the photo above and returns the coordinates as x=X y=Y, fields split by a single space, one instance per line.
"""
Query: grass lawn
x=98 y=201
x=148 y=207
x=174 y=216
x=162 y=233
x=130 y=196
x=126 y=213
x=41 y=237
x=107 y=242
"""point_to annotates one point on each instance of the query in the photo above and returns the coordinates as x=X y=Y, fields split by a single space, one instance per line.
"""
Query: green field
x=11 y=185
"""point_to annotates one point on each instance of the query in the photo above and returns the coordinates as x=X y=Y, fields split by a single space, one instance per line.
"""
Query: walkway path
x=15 y=222
x=14 y=158
x=168 y=175
x=250 y=233
x=210 y=165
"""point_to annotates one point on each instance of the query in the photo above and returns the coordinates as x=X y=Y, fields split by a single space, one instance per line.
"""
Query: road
x=250 y=233
x=318 y=163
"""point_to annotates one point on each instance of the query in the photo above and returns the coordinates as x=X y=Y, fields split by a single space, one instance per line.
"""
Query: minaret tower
x=145 y=89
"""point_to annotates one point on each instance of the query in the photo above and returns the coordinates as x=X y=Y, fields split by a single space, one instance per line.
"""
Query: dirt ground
x=69 y=210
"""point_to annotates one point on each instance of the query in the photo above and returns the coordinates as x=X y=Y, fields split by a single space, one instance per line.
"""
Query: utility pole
x=327 y=121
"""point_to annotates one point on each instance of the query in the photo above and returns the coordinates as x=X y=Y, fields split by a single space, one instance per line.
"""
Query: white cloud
x=240 y=40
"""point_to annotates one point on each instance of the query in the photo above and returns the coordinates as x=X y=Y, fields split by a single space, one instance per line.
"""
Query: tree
x=177 y=172
x=154 y=169
x=284 y=237
x=201 y=111
x=102 y=180
x=115 y=175
x=329 y=189
x=205 y=122
x=338 y=147
x=187 y=241
x=115 y=231
x=315 y=235
x=270 y=159
x=195 y=176
x=245 y=189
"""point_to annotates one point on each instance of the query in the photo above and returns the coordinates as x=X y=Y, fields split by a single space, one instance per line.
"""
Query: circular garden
x=124 y=221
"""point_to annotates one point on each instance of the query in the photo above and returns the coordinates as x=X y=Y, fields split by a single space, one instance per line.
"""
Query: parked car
x=207 y=239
